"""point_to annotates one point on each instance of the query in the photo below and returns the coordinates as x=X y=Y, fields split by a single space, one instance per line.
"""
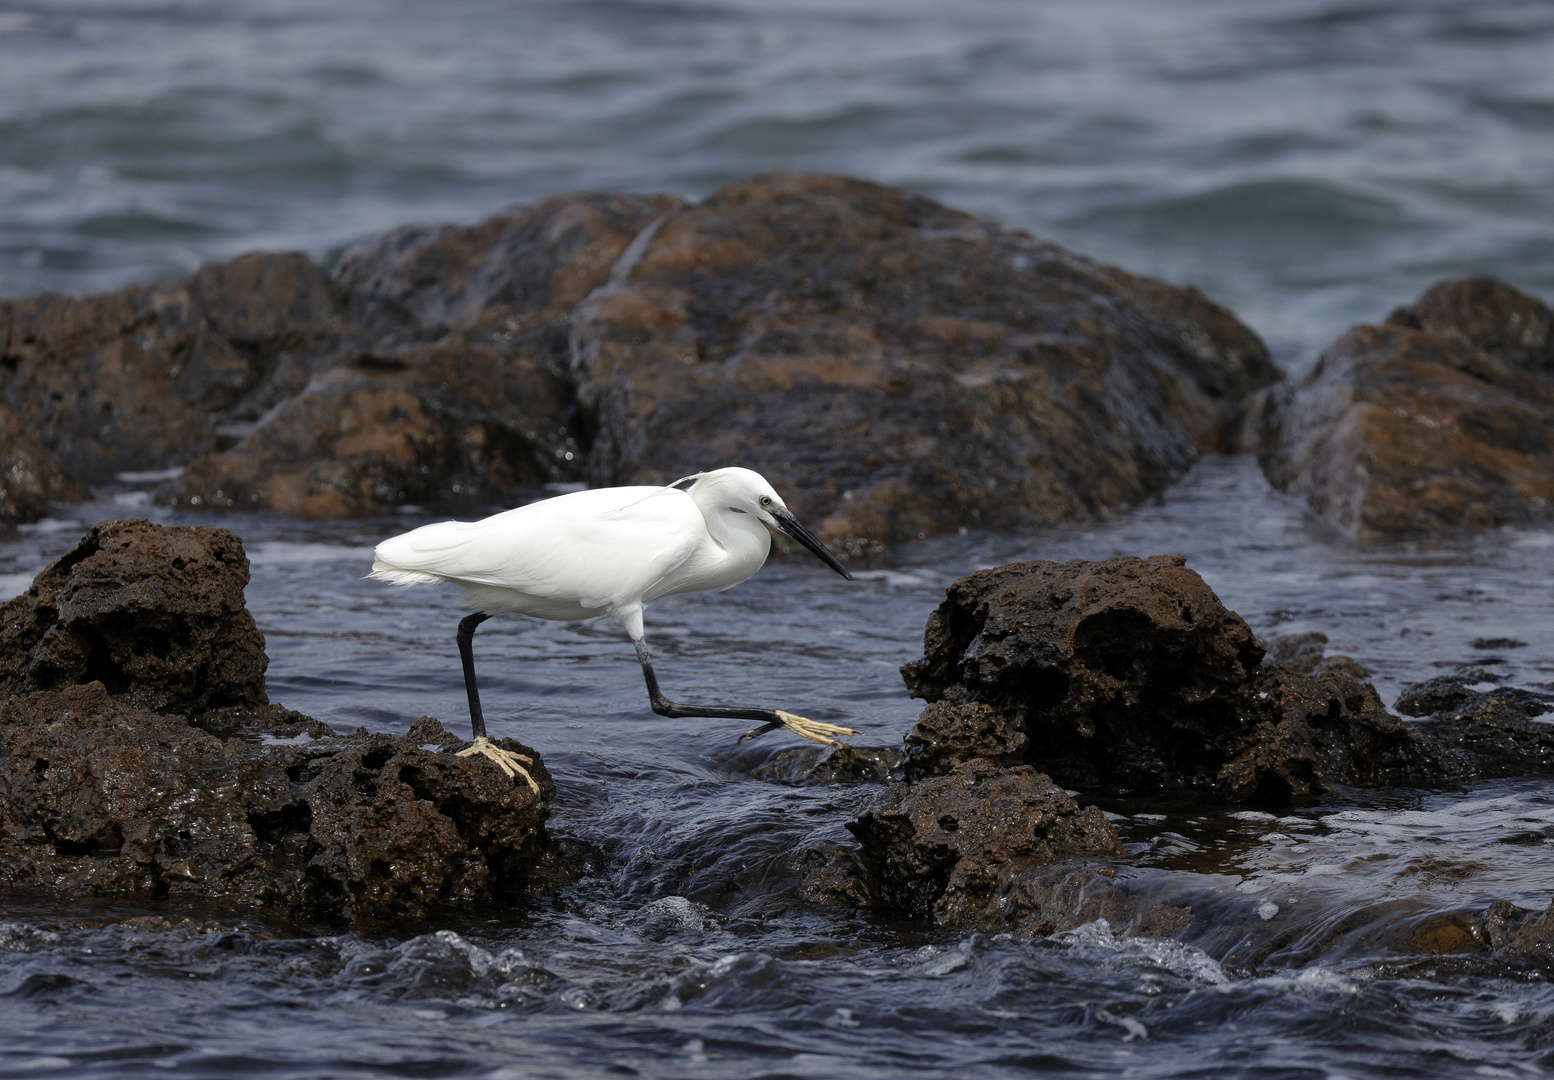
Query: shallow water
x=687 y=953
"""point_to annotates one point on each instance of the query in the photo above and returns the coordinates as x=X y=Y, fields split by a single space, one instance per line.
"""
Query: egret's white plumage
x=602 y=552
x=606 y=552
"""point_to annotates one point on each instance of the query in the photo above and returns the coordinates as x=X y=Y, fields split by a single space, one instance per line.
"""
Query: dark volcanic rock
x=138 y=755
x=900 y=368
x=30 y=476
x=1443 y=417
x=151 y=612
x=1129 y=674
x=142 y=378
x=966 y=847
x=1494 y=730
x=102 y=797
x=1521 y=938
x=464 y=393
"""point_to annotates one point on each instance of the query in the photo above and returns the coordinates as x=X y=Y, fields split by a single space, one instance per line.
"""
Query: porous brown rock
x=139 y=755
x=30 y=475
x=897 y=368
x=145 y=378
x=975 y=848
x=1129 y=675
x=1441 y=418
x=463 y=394
x=153 y=613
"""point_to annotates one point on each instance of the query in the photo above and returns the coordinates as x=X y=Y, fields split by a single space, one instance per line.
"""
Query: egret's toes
x=509 y=762
x=813 y=729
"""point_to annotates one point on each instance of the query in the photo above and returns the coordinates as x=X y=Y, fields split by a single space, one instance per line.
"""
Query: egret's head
x=744 y=491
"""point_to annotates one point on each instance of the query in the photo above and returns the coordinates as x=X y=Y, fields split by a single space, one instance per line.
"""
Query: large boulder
x=147 y=377
x=139 y=756
x=1130 y=675
x=899 y=368
x=1443 y=417
x=463 y=394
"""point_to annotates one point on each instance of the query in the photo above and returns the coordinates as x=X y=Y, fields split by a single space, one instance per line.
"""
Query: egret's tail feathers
x=382 y=571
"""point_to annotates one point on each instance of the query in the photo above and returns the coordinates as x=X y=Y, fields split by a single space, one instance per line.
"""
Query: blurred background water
x=1309 y=162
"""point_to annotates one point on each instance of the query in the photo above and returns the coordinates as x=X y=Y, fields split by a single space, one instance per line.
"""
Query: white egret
x=606 y=552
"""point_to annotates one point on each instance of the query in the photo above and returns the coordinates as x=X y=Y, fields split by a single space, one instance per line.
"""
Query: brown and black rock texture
x=139 y=755
x=1495 y=730
x=146 y=378
x=30 y=475
x=899 y=368
x=1129 y=675
x=463 y=392
x=1443 y=417
x=975 y=848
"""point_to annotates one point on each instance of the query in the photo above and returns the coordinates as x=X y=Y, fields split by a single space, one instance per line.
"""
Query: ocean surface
x=1309 y=164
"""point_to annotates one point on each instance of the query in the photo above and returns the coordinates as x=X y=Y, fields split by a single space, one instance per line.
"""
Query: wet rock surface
x=1130 y=675
x=142 y=758
x=1495 y=730
x=975 y=848
x=154 y=614
x=900 y=368
x=1443 y=417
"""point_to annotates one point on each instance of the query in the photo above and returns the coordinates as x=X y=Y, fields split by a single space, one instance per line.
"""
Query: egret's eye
x=766 y=500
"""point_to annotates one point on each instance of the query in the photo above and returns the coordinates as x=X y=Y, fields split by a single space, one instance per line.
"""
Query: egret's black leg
x=513 y=764
x=477 y=719
x=771 y=719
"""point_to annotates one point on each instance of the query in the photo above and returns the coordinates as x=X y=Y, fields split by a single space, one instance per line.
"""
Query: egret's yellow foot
x=512 y=764
x=805 y=728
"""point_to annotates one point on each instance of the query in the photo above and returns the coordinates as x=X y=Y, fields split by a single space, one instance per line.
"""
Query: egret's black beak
x=790 y=525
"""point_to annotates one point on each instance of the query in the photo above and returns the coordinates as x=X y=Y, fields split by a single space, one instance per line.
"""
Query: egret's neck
x=741 y=536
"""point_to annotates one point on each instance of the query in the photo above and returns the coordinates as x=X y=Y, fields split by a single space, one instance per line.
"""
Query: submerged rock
x=901 y=368
x=973 y=848
x=1441 y=418
x=139 y=755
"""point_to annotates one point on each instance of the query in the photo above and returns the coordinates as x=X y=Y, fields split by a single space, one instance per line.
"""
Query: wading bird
x=606 y=552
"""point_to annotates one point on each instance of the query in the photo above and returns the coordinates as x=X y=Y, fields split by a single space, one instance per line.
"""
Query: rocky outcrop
x=151 y=376
x=1443 y=417
x=900 y=368
x=30 y=476
x=1130 y=675
x=139 y=755
x=463 y=393
x=153 y=614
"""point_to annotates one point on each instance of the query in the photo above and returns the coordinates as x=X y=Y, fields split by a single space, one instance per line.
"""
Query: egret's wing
x=602 y=548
